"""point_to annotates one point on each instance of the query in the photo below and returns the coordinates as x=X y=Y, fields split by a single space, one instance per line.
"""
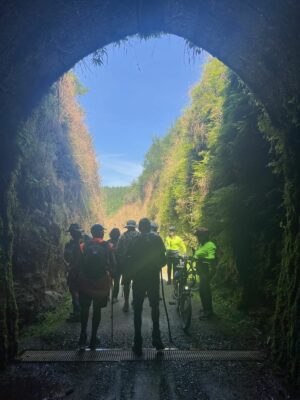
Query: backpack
x=95 y=260
x=148 y=254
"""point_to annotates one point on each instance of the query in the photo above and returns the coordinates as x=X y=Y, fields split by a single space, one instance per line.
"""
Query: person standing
x=154 y=227
x=125 y=260
x=205 y=256
x=175 y=247
x=71 y=258
x=94 y=282
x=116 y=273
x=148 y=257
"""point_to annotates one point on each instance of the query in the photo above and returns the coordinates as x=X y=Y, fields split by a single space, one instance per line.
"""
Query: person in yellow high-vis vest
x=175 y=248
x=205 y=257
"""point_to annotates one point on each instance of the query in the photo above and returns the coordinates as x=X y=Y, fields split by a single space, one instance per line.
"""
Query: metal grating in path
x=100 y=355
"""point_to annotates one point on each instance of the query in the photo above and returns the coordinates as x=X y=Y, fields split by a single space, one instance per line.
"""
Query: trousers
x=139 y=289
x=204 y=288
x=85 y=303
x=172 y=263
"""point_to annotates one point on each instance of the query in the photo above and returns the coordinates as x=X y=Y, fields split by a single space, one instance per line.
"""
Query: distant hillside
x=135 y=209
x=114 y=198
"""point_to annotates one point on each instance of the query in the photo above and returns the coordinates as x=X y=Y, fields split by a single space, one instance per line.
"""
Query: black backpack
x=95 y=260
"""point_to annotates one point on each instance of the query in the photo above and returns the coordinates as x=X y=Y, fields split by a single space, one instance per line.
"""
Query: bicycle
x=185 y=280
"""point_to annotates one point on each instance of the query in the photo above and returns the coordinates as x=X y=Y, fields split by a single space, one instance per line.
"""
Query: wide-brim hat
x=75 y=228
x=131 y=224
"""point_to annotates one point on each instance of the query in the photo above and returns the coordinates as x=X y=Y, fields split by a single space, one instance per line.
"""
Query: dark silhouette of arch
x=258 y=39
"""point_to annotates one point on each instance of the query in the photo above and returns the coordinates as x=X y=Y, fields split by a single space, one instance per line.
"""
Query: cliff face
x=50 y=194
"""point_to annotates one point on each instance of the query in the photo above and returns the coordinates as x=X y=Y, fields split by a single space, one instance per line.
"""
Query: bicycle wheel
x=185 y=311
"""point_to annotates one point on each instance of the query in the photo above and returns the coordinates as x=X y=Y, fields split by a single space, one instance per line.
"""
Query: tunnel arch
x=250 y=37
x=258 y=39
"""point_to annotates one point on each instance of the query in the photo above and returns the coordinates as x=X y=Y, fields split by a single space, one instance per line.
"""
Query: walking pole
x=165 y=306
x=112 y=321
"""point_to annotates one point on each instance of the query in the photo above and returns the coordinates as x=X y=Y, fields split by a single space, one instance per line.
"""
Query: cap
x=201 y=231
x=130 y=224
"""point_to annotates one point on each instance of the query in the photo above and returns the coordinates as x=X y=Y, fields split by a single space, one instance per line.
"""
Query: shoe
x=82 y=341
x=205 y=314
x=157 y=343
x=115 y=300
x=137 y=349
x=125 y=308
x=169 y=283
x=94 y=343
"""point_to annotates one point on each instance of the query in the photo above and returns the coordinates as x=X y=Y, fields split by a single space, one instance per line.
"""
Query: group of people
x=135 y=258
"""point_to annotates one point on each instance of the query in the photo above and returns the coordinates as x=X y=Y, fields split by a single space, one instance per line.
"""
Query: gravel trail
x=201 y=380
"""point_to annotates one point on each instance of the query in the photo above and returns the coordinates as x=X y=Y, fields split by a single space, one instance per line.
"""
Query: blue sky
x=137 y=94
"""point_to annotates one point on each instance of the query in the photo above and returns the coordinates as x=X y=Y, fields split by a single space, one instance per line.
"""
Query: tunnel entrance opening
x=257 y=42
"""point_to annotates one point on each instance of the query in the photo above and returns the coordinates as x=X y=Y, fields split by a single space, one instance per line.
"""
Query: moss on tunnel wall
x=257 y=39
x=48 y=189
x=224 y=165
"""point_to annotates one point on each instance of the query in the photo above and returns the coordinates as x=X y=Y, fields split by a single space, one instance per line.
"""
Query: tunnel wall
x=259 y=40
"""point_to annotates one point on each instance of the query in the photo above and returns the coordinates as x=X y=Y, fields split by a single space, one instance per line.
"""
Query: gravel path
x=143 y=379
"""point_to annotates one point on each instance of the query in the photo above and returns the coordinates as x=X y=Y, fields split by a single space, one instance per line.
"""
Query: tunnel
x=259 y=40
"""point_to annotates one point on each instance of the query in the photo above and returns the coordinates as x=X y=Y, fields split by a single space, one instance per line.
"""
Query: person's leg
x=153 y=295
x=169 y=266
x=205 y=291
x=116 y=287
x=85 y=302
x=175 y=263
x=126 y=283
x=95 y=322
x=138 y=292
x=75 y=301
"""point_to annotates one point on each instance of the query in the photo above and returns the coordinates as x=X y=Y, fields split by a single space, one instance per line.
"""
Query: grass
x=48 y=321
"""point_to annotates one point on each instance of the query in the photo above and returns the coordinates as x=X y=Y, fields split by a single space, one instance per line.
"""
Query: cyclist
x=205 y=256
x=175 y=247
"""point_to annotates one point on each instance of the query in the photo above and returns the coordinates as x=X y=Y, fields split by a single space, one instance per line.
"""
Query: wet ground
x=145 y=380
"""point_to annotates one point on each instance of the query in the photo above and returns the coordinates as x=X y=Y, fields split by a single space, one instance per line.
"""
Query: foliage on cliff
x=114 y=198
x=214 y=168
x=58 y=184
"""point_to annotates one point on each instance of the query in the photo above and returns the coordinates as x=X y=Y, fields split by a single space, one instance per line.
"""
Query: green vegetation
x=114 y=198
x=54 y=182
x=48 y=321
x=223 y=165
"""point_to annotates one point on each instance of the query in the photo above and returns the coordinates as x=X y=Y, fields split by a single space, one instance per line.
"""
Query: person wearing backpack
x=71 y=252
x=125 y=258
x=94 y=282
x=114 y=239
x=147 y=252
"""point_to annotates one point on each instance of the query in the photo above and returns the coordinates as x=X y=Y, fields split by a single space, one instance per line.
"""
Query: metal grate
x=171 y=354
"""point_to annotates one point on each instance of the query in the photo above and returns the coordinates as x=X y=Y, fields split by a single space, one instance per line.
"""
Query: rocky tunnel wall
x=257 y=39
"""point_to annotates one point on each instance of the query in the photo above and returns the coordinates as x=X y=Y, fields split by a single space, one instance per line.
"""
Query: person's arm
x=161 y=252
x=201 y=252
x=120 y=247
